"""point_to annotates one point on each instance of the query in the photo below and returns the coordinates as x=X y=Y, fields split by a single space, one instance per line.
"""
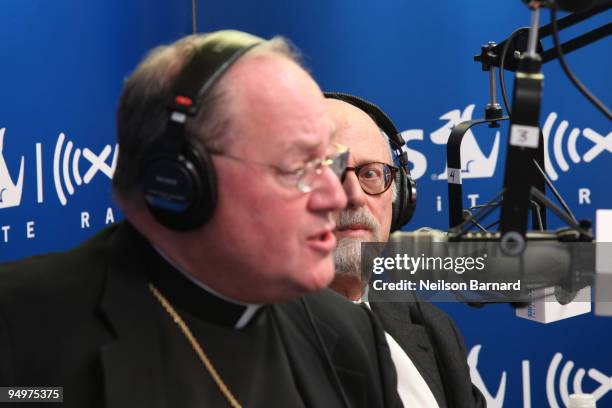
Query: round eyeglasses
x=374 y=178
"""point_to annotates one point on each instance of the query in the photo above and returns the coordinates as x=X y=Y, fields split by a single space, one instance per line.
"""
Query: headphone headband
x=382 y=120
x=213 y=58
x=178 y=178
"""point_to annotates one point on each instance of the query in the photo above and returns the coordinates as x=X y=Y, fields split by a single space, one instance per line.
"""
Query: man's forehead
x=314 y=134
x=359 y=132
x=276 y=103
x=349 y=119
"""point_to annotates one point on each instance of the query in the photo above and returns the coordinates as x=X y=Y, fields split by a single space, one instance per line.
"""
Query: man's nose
x=327 y=193
x=353 y=190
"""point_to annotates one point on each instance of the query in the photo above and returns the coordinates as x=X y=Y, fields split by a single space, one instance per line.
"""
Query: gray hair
x=142 y=115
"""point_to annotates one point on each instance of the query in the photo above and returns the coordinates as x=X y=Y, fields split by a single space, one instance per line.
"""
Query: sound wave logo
x=10 y=193
x=600 y=144
x=70 y=160
x=564 y=379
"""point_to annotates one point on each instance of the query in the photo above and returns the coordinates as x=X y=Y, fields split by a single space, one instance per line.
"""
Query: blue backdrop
x=61 y=73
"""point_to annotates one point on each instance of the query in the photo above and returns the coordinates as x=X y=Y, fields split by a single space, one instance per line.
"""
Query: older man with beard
x=427 y=349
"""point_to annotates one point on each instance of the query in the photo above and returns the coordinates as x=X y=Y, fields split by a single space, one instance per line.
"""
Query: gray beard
x=347 y=257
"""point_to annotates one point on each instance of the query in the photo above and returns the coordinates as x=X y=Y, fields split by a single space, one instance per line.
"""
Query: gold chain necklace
x=196 y=346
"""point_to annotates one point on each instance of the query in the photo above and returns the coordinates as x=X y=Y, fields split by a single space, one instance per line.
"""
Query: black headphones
x=405 y=204
x=178 y=177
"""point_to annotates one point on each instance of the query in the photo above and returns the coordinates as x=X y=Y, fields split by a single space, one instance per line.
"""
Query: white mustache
x=360 y=216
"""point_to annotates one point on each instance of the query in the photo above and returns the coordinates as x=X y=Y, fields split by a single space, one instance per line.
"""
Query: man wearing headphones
x=427 y=349
x=209 y=294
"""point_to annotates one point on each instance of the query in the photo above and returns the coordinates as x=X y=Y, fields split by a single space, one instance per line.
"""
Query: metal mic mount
x=524 y=179
x=493 y=110
x=524 y=140
x=516 y=44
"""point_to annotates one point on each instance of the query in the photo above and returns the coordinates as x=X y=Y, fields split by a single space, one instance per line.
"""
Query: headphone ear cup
x=399 y=200
x=178 y=178
x=180 y=191
x=404 y=204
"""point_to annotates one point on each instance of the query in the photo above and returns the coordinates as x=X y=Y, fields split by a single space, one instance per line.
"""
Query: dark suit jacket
x=85 y=320
x=449 y=376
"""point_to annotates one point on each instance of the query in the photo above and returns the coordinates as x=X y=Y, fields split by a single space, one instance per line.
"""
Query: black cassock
x=86 y=320
x=251 y=360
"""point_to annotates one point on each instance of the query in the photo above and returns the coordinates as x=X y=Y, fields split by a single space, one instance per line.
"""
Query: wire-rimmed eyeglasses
x=304 y=176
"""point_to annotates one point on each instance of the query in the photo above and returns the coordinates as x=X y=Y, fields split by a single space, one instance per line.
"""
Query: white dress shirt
x=411 y=387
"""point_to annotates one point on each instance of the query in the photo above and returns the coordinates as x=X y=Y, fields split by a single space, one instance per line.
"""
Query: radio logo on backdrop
x=603 y=382
x=599 y=144
x=496 y=401
x=67 y=166
x=70 y=166
x=10 y=192
x=476 y=163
